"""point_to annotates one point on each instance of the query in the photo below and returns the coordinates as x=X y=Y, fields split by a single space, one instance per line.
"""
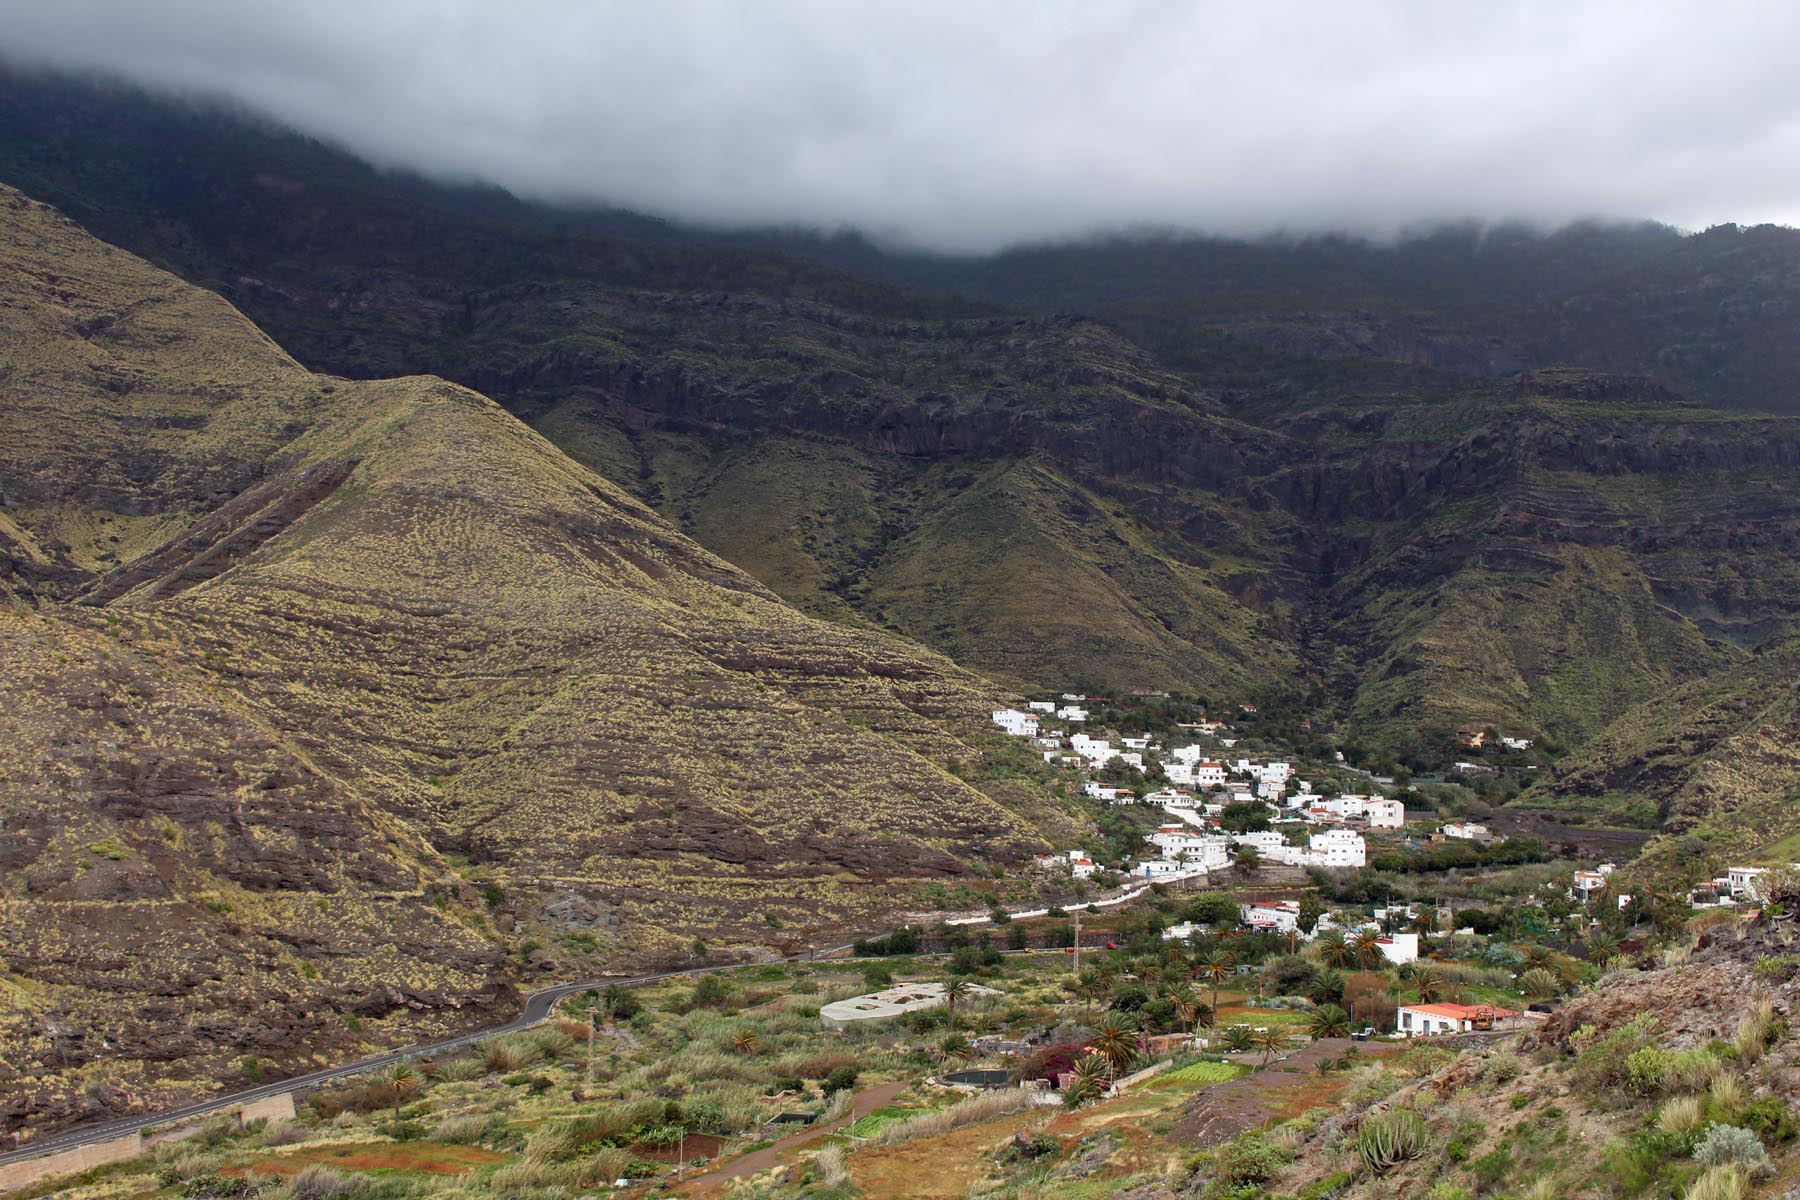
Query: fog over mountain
x=969 y=127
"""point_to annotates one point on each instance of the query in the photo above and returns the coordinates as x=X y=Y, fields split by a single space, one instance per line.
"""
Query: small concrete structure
x=891 y=1002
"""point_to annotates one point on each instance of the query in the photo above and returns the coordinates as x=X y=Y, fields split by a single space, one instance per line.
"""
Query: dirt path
x=866 y=1102
x=1285 y=1088
x=936 y=1168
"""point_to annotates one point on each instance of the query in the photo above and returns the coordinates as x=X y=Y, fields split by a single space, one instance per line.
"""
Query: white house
x=1467 y=831
x=1264 y=840
x=1182 y=843
x=1587 y=883
x=1275 y=772
x=1072 y=712
x=1185 y=754
x=1170 y=798
x=1019 y=724
x=1208 y=774
x=1105 y=791
x=1133 y=759
x=1743 y=881
x=1043 y=706
x=1382 y=813
x=1418 y=1020
x=1080 y=865
x=1282 y=916
x=1179 y=773
x=1338 y=848
x=1512 y=743
x=1096 y=750
x=1136 y=743
x=1399 y=948
x=1156 y=868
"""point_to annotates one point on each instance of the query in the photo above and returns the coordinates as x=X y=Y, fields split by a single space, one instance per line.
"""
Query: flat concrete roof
x=890 y=1002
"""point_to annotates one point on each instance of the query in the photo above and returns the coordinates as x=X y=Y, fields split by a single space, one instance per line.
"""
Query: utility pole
x=593 y=1037
x=1078 y=943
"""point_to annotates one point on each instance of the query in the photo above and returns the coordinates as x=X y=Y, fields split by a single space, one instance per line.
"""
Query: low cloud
x=969 y=126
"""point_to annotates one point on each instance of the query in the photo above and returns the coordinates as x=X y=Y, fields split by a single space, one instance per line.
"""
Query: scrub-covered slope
x=296 y=667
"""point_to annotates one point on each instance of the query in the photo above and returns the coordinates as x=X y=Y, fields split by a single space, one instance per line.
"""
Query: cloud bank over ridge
x=966 y=127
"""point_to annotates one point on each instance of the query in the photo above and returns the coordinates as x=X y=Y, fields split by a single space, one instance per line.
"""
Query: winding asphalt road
x=537 y=1007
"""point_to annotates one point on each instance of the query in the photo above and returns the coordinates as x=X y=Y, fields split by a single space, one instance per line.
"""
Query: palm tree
x=1366 y=946
x=955 y=988
x=1326 y=987
x=1425 y=923
x=1335 y=949
x=1216 y=968
x=1091 y=985
x=1328 y=1020
x=1539 y=983
x=1115 y=1040
x=1087 y=1081
x=1429 y=981
x=1187 y=1010
x=1238 y=1038
x=1540 y=956
x=953 y=1050
x=1270 y=1040
x=745 y=1041
x=403 y=1080
x=1599 y=945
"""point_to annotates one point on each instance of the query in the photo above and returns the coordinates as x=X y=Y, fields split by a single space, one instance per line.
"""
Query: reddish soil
x=698 y=1145
x=866 y=1102
x=427 y=1158
x=1286 y=1088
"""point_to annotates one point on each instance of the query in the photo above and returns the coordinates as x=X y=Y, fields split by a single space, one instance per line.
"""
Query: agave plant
x=1388 y=1139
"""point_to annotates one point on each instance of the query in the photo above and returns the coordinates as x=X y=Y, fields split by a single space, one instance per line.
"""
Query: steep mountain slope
x=676 y=369
x=1348 y=505
x=297 y=668
x=1551 y=548
x=1718 y=758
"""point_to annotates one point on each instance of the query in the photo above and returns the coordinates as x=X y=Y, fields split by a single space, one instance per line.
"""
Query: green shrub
x=1601 y=1058
x=1328 y=1188
x=1769 y=1119
x=1492 y=1168
x=1252 y=1158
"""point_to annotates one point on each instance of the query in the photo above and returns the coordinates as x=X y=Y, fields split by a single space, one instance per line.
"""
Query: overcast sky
x=969 y=124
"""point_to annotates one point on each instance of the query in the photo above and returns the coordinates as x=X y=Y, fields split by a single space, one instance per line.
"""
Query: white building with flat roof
x=892 y=1002
x=1019 y=724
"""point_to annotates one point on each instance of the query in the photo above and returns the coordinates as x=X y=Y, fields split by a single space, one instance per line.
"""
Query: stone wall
x=68 y=1162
